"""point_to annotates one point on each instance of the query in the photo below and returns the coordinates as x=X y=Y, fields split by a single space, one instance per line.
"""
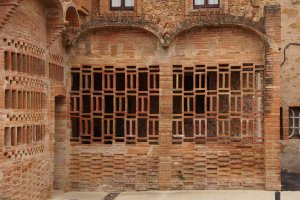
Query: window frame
x=292 y=119
x=206 y=5
x=122 y=7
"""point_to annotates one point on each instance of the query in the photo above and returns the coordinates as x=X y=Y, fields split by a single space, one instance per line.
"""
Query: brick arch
x=102 y=24
x=70 y=14
x=166 y=32
x=211 y=20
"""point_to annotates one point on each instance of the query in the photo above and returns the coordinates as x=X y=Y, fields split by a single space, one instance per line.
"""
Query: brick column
x=165 y=126
x=272 y=97
x=285 y=122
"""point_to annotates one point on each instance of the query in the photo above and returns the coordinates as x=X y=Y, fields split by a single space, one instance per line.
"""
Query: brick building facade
x=146 y=95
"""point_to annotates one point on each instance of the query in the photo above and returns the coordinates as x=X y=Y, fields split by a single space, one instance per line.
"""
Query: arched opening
x=72 y=17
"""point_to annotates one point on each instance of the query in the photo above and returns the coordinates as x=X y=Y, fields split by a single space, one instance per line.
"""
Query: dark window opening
x=75 y=127
x=75 y=81
x=7 y=138
x=294 y=122
x=206 y=4
x=200 y=104
x=131 y=100
x=120 y=82
x=188 y=81
x=154 y=105
x=177 y=105
x=212 y=80
x=281 y=124
x=8 y=102
x=109 y=104
x=97 y=127
x=7 y=60
x=13 y=136
x=19 y=135
x=143 y=82
x=122 y=4
x=97 y=81
x=142 y=130
x=86 y=104
x=120 y=124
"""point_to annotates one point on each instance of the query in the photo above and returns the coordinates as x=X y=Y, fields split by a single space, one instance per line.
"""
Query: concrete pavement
x=58 y=195
x=182 y=195
x=207 y=195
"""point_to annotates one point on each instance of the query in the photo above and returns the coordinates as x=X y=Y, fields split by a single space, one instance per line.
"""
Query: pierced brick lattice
x=20 y=99
x=115 y=105
x=56 y=72
x=24 y=63
x=27 y=134
x=25 y=99
x=218 y=104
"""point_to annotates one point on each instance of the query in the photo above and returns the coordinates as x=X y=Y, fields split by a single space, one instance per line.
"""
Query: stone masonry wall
x=290 y=71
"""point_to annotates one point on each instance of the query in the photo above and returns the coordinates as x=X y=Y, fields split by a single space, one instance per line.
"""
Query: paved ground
x=207 y=195
x=181 y=195
x=58 y=195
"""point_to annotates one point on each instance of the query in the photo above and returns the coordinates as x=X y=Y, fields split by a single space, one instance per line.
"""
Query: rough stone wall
x=290 y=157
x=289 y=69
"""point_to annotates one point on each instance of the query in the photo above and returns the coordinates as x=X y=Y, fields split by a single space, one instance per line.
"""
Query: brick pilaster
x=165 y=126
x=272 y=95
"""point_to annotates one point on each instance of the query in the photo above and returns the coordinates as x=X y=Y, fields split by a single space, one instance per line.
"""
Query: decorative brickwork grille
x=22 y=135
x=218 y=104
x=56 y=72
x=21 y=99
x=20 y=62
x=24 y=101
x=115 y=105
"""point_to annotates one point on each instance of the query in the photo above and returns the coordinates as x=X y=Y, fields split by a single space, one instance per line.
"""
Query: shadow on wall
x=290 y=165
x=290 y=181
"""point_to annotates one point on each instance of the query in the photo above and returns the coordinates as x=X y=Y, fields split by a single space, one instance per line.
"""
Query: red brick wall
x=167 y=165
x=27 y=169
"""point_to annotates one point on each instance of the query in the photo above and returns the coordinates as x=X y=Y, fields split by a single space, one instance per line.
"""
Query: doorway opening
x=60 y=144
